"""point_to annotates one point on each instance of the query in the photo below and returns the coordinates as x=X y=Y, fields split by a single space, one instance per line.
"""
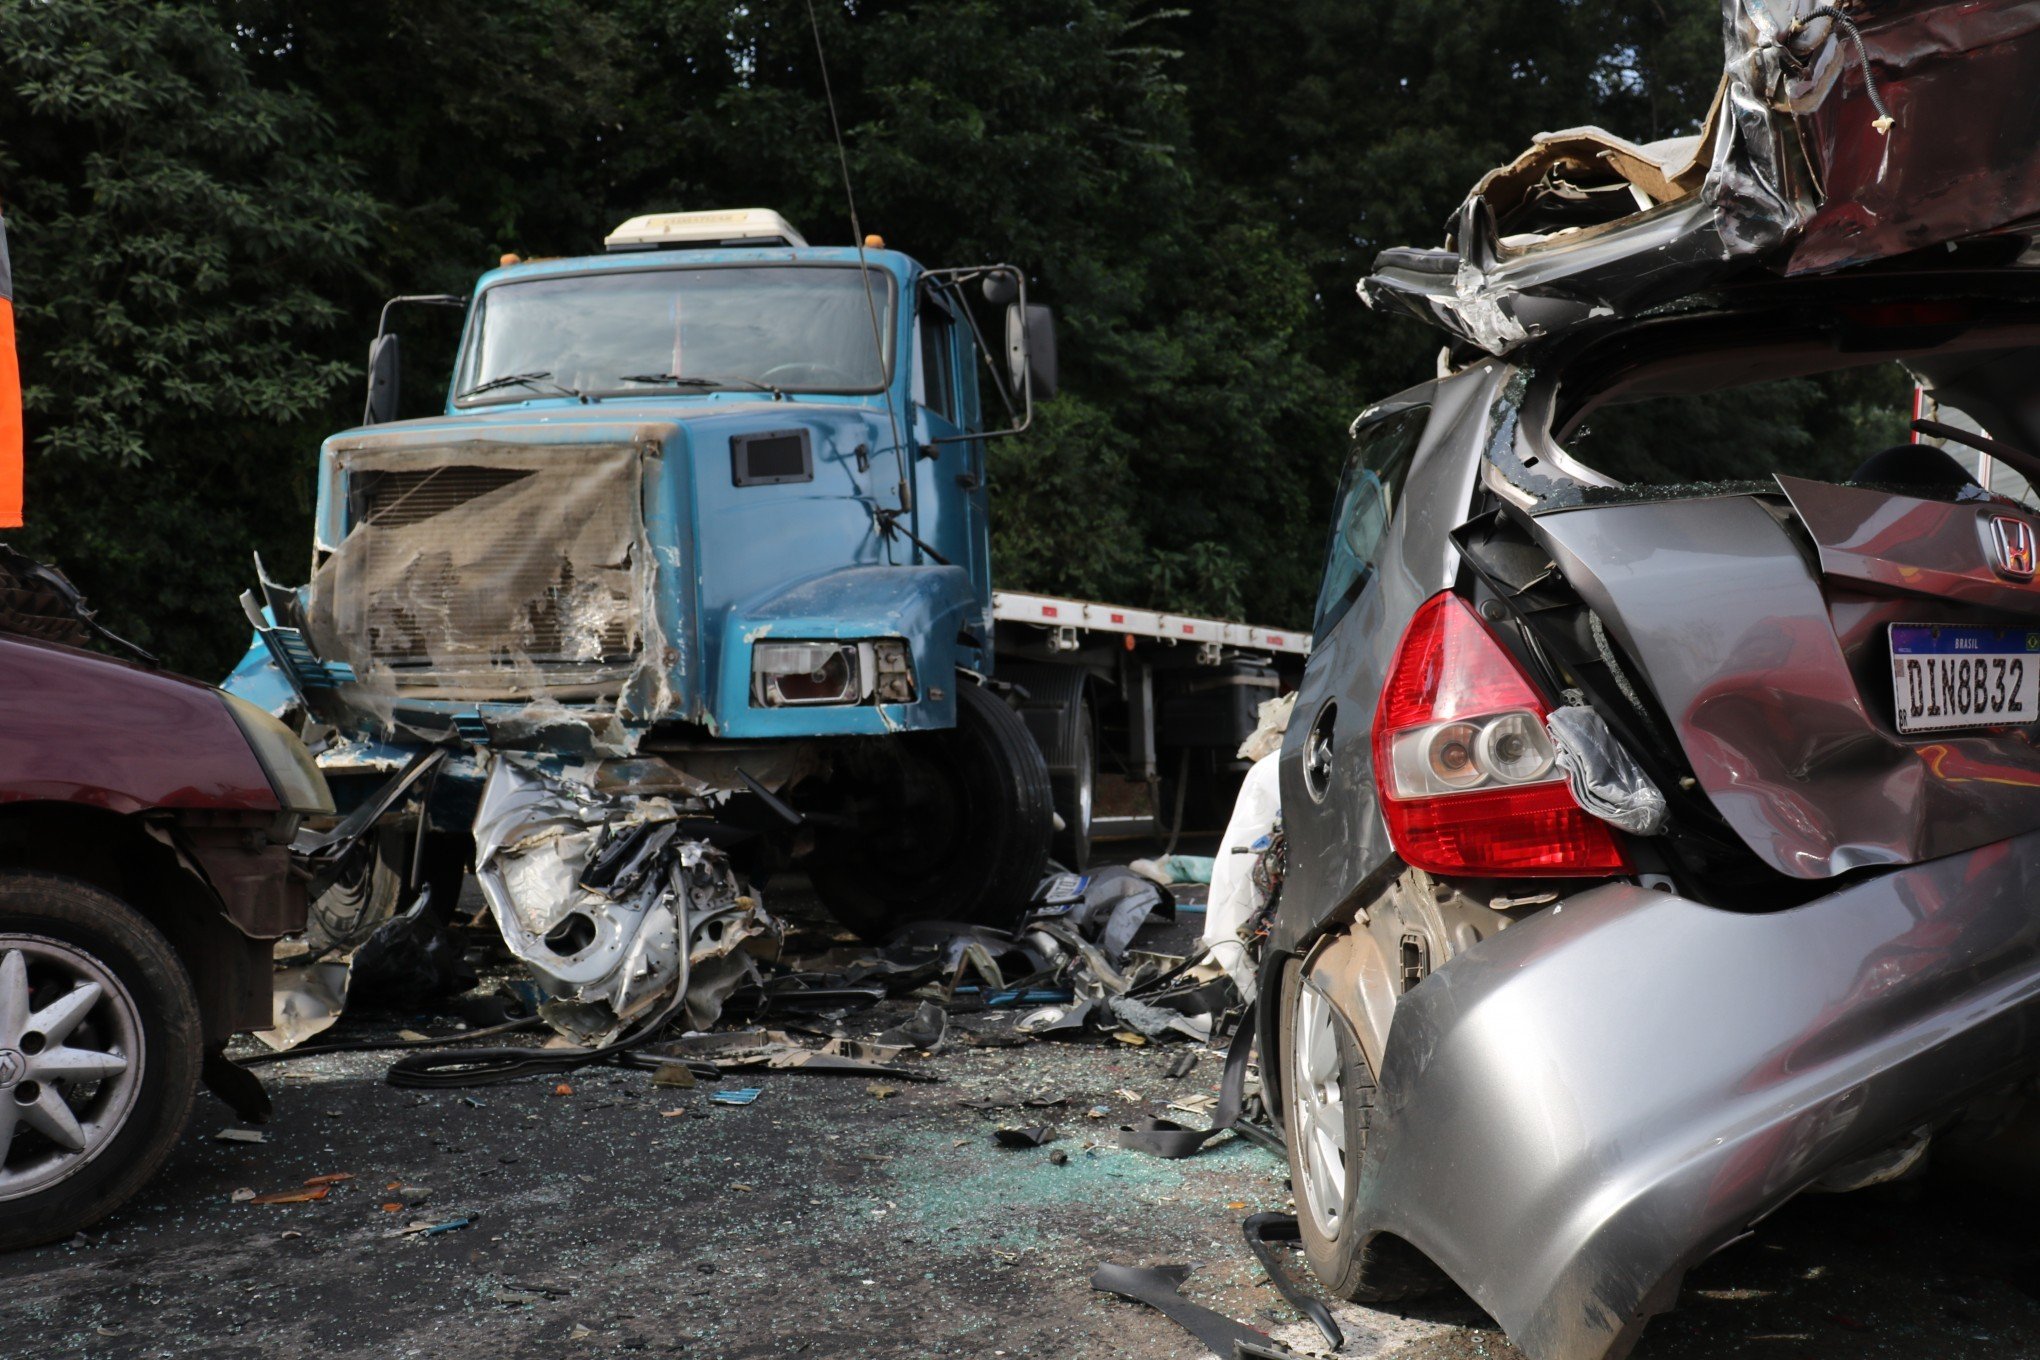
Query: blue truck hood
x=563 y=569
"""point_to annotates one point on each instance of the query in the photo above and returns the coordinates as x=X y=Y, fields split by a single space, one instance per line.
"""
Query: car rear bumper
x=1578 y=1109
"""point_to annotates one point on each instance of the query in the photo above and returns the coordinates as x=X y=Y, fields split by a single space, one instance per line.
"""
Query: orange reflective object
x=10 y=422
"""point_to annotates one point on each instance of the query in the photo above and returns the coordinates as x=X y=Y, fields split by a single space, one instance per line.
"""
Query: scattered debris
x=240 y=1136
x=1262 y=1229
x=1160 y=1288
x=427 y=1228
x=1026 y=1137
x=742 y=1095
x=925 y=1030
x=1153 y=1022
x=331 y=1178
x=304 y=1195
x=776 y=1050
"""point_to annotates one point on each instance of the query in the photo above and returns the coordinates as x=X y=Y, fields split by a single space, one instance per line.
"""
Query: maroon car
x=145 y=869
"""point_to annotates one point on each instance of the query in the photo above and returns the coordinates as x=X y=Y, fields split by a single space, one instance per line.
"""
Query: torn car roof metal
x=1797 y=168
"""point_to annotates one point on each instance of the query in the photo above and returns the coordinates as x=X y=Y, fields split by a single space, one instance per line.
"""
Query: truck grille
x=514 y=572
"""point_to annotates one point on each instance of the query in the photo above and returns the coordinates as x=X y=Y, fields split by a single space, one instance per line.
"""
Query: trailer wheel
x=1076 y=794
x=948 y=825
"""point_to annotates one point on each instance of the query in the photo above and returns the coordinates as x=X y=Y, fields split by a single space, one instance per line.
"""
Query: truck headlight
x=800 y=674
x=295 y=777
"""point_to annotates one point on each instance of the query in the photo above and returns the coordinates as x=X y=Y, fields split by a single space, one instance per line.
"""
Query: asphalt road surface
x=830 y=1218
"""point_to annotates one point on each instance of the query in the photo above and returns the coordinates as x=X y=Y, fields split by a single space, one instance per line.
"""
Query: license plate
x=1944 y=678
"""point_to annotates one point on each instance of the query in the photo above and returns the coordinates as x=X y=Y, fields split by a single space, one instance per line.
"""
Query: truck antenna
x=892 y=416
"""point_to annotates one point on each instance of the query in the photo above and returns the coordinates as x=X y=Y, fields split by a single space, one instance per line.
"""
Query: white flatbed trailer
x=1054 y=612
x=1156 y=698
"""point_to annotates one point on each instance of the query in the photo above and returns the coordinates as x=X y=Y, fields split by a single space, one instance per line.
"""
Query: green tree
x=177 y=236
x=1053 y=133
x=211 y=198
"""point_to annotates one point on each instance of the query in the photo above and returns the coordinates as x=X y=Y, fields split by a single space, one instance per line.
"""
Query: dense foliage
x=210 y=198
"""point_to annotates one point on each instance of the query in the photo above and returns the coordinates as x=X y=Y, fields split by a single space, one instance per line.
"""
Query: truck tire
x=952 y=825
x=100 y=1049
x=371 y=887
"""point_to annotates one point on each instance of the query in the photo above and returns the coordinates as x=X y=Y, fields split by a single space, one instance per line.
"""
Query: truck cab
x=699 y=514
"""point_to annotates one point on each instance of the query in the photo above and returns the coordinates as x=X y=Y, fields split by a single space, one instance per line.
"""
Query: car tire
x=1328 y=1107
x=951 y=825
x=59 y=936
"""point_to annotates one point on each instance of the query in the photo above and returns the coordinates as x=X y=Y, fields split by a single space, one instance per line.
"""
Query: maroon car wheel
x=99 y=1055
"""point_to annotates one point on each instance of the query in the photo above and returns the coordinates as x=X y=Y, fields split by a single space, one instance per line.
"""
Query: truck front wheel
x=948 y=825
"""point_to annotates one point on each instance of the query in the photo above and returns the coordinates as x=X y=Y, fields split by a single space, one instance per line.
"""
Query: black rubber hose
x=1855 y=35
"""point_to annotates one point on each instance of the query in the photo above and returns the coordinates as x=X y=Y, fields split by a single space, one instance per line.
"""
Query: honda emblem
x=2013 y=539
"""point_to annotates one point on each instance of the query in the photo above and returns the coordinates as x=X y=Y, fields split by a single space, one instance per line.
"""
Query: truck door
x=949 y=478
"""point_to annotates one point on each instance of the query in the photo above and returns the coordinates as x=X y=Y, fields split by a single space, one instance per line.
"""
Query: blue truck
x=703 y=528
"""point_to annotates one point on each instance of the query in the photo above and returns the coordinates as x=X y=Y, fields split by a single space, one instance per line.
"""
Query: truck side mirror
x=1030 y=350
x=382 y=381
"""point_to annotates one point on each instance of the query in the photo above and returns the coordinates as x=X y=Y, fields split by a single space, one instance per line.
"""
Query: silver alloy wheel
x=1320 y=1111
x=61 y=1103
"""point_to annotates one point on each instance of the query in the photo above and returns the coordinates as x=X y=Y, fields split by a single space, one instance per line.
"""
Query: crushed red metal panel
x=1959 y=80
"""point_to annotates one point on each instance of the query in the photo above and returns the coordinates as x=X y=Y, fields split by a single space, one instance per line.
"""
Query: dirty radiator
x=486 y=571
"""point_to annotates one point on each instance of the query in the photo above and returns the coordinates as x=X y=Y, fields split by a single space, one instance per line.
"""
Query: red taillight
x=1468 y=780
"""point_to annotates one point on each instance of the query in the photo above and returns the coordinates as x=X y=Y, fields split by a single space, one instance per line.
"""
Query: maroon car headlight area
x=295 y=777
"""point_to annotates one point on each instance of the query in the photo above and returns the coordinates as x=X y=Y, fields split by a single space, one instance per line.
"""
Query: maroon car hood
x=76 y=727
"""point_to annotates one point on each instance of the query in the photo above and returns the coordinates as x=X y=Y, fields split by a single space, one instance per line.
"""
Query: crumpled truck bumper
x=1580 y=1108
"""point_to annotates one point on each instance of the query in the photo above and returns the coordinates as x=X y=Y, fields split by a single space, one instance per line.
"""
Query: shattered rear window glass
x=1824 y=427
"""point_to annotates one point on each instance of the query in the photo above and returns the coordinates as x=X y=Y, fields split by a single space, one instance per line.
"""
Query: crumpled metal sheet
x=306 y=999
x=1802 y=173
x=607 y=950
x=1602 y=774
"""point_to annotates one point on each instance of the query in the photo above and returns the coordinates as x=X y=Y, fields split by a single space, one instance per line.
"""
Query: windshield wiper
x=518 y=379
x=675 y=380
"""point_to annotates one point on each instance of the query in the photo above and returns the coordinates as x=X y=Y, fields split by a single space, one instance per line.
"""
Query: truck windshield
x=802 y=328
